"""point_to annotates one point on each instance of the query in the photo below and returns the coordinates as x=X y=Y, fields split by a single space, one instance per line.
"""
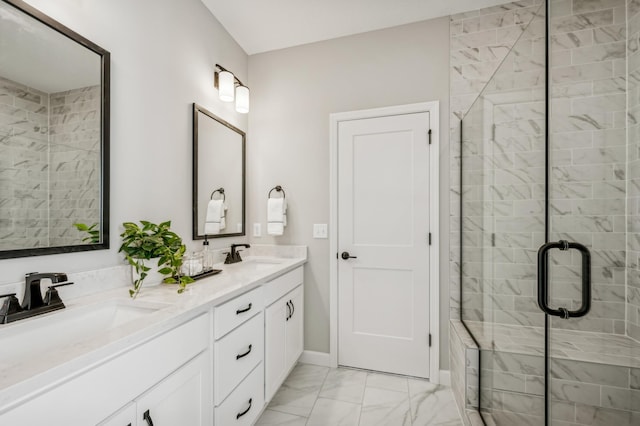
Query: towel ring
x=221 y=192
x=277 y=188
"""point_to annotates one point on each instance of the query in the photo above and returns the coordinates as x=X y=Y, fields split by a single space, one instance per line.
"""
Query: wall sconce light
x=230 y=88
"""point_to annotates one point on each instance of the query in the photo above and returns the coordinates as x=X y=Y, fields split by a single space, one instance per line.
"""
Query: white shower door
x=383 y=242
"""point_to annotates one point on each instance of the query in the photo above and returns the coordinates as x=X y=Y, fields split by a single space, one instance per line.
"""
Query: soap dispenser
x=207 y=256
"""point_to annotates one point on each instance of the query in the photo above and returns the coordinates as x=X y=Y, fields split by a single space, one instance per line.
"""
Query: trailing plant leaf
x=93 y=232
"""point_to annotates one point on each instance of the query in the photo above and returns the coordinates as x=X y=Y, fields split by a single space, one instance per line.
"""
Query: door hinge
x=429 y=339
x=429 y=238
x=429 y=136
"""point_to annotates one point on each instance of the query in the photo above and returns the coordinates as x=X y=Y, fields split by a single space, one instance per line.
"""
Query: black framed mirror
x=218 y=176
x=54 y=136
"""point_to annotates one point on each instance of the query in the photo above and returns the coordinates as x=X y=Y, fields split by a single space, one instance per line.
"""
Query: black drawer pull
x=289 y=313
x=244 y=354
x=146 y=416
x=242 y=311
x=293 y=308
x=245 y=411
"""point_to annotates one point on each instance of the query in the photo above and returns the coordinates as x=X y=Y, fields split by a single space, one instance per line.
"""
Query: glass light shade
x=226 y=86
x=242 y=99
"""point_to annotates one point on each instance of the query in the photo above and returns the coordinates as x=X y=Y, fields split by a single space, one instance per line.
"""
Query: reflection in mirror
x=54 y=113
x=218 y=176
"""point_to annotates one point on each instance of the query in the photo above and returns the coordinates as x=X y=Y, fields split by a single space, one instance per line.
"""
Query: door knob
x=345 y=255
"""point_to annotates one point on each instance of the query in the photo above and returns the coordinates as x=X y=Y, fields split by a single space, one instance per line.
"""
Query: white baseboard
x=316 y=358
x=445 y=377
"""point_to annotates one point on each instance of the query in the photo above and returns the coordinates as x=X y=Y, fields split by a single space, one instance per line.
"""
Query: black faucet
x=234 y=255
x=32 y=303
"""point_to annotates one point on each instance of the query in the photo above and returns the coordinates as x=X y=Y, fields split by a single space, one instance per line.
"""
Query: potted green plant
x=148 y=241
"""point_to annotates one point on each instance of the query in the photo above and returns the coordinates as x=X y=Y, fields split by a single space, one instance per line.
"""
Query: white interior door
x=383 y=220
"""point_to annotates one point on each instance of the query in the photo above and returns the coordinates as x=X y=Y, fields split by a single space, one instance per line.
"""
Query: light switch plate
x=320 y=230
x=257 y=230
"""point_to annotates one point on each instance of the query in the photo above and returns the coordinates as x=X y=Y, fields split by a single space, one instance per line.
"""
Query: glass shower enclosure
x=550 y=221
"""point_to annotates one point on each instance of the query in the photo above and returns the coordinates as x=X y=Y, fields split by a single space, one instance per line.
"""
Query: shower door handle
x=543 y=285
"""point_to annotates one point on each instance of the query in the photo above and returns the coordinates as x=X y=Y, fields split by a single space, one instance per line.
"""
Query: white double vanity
x=215 y=354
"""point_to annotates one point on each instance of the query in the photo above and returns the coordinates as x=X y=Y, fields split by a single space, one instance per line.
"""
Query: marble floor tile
x=276 y=418
x=293 y=401
x=300 y=390
x=335 y=413
x=382 y=407
x=344 y=385
x=307 y=377
x=319 y=396
x=387 y=381
x=434 y=406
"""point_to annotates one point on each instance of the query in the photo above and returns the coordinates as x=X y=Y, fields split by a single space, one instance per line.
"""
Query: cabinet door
x=183 y=398
x=275 y=338
x=124 y=417
x=295 y=327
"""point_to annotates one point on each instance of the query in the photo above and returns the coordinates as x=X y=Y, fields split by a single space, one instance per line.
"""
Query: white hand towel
x=276 y=208
x=215 y=210
x=223 y=219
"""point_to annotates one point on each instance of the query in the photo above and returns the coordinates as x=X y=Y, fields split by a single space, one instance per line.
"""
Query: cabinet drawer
x=278 y=287
x=231 y=314
x=236 y=354
x=245 y=403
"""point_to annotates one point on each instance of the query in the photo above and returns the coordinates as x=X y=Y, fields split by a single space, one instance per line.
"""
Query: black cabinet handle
x=543 y=285
x=146 y=416
x=293 y=307
x=242 y=311
x=244 y=354
x=289 y=310
x=245 y=411
x=345 y=255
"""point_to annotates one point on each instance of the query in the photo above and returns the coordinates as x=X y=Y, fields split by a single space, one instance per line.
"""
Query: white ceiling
x=28 y=47
x=263 y=25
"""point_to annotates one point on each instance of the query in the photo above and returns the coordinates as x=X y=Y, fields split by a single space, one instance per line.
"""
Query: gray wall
x=163 y=55
x=293 y=92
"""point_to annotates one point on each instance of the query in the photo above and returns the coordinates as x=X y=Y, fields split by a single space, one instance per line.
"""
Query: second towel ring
x=221 y=192
x=277 y=188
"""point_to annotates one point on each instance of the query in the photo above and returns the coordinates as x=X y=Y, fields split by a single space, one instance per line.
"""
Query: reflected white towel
x=215 y=210
x=276 y=216
x=223 y=219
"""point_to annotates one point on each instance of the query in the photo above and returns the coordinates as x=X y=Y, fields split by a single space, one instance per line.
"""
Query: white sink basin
x=71 y=326
x=258 y=264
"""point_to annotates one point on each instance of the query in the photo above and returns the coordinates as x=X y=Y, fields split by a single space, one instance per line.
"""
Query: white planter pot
x=153 y=276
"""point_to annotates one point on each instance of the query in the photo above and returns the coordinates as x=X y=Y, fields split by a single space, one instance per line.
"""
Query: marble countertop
x=26 y=373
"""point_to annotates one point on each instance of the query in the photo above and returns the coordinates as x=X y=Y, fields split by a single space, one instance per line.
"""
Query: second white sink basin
x=258 y=264
x=71 y=326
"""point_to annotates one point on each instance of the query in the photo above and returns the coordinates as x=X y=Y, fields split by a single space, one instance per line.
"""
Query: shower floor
x=599 y=348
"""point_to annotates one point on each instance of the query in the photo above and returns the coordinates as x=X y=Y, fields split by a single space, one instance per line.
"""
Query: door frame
x=432 y=108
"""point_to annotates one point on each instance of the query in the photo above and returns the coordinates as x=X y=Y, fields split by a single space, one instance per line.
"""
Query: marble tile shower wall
x=24 y=176
x=588 y=158
x=75 y=162
x=502 y=182
x=633 y=163
x=480 y=40
x=504 y=166
x=49 y=157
